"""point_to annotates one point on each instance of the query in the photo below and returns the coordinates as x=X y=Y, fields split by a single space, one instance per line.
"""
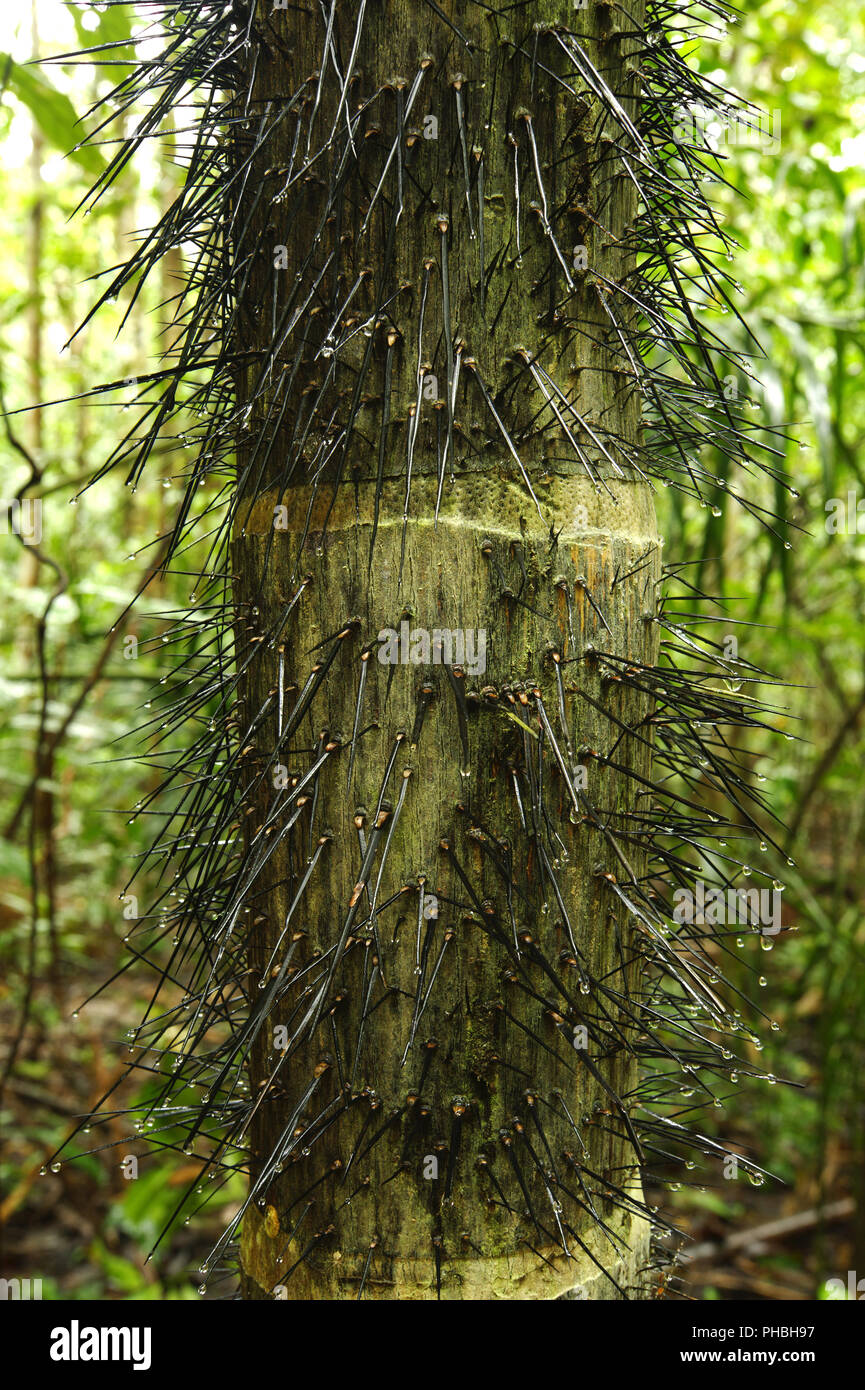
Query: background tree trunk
x=437 y=927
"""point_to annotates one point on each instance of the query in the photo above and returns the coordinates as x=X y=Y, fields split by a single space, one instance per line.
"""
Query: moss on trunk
x=484 y=933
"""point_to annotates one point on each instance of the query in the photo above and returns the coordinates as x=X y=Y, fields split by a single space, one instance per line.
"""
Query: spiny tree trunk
x=444 y=259
x=448 y=1077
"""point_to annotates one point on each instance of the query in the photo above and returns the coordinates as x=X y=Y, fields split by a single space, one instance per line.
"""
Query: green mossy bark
x=488 y=564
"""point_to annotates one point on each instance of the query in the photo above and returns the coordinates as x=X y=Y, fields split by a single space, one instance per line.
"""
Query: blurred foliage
x=796 y=205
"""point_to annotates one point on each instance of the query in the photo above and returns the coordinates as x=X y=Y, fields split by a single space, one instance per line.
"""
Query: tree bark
x=441 y=1125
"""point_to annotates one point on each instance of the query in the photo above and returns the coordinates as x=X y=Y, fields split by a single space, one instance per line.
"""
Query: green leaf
x=52 y=111
x=121 y=1273
x=816 y=394
x=13 y=860
x=115 y=25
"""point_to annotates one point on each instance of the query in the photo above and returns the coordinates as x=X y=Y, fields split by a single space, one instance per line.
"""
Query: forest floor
x=87 y=1234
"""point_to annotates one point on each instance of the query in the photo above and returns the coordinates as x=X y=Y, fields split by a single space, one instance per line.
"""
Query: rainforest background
x=795 y=203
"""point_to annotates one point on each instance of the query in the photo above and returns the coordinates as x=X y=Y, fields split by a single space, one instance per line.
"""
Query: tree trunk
x=441 y=447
